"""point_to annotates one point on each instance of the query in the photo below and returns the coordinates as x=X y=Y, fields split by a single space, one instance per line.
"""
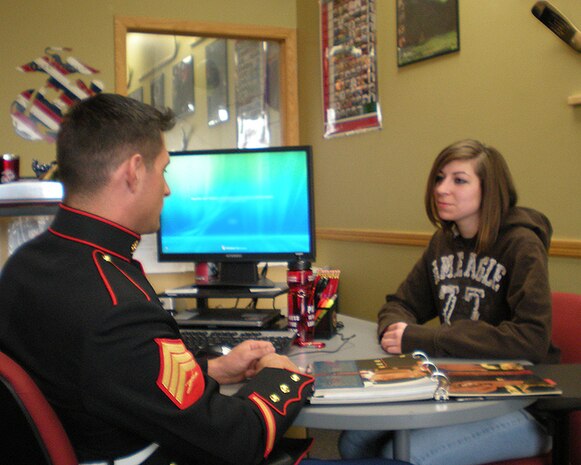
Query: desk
x=400 y=417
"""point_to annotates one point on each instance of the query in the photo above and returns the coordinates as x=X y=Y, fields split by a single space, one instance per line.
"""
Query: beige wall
x=87 y=27
x=507 y=86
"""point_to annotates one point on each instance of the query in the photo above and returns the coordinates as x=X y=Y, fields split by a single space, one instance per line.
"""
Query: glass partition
x=230 y=85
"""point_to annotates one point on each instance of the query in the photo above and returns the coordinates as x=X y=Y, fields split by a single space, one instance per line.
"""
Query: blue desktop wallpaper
x=237 y=203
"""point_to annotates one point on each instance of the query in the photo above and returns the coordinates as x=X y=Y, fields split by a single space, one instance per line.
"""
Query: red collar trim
x=91 y=244
x=101 y=219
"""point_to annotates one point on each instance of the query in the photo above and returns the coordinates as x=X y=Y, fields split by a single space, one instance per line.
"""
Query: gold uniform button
x=296 y=378
x=107 y=258
x=134 y=246
x=274 y=398
x=284 y=388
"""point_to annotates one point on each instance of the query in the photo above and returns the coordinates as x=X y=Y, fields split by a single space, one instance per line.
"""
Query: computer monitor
x=238 y=208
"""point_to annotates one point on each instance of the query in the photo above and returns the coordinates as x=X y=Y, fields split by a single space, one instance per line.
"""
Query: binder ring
x=441 y=392
x=431 y=367
x=420 y=354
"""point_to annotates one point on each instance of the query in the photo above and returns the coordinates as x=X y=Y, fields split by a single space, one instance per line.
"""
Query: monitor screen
x=239 y=207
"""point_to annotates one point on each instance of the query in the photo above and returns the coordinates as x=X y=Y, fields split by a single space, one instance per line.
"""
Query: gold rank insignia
x=180 y=377
x=134 y=246
x=284 y=388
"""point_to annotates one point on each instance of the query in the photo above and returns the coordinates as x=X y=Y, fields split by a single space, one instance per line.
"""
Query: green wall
x=508 y=86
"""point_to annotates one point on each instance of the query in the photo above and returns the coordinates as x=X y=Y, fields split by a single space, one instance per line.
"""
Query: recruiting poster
x=350 y=92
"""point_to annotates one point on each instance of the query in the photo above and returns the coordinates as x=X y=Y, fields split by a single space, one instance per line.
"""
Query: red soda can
x=10 y=168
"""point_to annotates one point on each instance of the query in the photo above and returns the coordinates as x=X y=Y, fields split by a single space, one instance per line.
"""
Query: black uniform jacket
x=78 y=312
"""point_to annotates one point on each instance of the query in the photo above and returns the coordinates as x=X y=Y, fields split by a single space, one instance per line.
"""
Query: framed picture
x=217 y=82
x=183 y=86
x=158 y=91
x=350 y=91
x=426 y=29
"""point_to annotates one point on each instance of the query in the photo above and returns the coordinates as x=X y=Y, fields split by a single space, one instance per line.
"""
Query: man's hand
x=245 y=360
x=275 y=361
x=391 y=339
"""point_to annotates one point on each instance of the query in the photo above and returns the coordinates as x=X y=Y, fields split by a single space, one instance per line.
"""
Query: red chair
x=566 y=335
x=30 y=431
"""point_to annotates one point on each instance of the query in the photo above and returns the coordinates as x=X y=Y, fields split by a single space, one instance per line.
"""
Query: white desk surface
x=388 y=416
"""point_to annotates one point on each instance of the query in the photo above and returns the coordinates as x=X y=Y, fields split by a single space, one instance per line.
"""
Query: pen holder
x=326 y=321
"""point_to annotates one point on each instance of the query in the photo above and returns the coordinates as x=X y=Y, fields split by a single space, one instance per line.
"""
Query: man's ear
x=134 y=171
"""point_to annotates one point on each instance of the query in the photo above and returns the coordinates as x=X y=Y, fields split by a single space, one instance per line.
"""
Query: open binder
x=414 y=377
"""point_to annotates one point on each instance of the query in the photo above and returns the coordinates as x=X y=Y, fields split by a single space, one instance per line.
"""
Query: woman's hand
x=391 y=339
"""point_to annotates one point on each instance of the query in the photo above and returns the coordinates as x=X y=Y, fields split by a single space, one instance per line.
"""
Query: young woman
x=484 y=276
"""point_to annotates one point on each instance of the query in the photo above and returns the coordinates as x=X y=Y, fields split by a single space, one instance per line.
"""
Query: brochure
x=414 y=377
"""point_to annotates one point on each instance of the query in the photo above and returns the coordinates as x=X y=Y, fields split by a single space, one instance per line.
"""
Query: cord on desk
x=252 y=304
x=236 y=302
x=325 y=351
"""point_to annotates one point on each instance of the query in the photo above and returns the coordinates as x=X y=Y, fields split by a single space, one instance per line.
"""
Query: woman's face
x=458 y=196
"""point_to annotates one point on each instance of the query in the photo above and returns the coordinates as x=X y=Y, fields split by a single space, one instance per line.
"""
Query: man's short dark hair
x=102 y=131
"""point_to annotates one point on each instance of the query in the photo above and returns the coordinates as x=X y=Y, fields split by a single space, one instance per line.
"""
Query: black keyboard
x=204 y=341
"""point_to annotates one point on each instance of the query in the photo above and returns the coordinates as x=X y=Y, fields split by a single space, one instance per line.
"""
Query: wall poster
x=350 y=93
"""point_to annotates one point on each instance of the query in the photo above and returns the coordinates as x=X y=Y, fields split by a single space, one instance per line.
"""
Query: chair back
x=567 y=336
x=30 y=431
x=567 y=325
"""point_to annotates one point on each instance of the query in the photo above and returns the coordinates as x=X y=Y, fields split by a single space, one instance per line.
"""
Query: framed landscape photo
x=426 y=29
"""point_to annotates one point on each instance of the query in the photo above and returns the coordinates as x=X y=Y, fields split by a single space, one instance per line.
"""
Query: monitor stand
x=238 y=274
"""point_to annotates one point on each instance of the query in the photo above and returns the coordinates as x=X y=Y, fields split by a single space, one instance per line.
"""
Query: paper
x=147 y=254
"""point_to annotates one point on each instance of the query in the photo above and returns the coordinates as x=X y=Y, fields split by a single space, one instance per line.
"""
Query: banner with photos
x=350 y=91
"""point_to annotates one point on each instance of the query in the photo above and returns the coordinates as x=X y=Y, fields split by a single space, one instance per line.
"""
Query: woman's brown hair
x=498 y=192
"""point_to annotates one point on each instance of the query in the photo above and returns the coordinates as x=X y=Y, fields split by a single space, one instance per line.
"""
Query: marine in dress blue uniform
x=80 y=315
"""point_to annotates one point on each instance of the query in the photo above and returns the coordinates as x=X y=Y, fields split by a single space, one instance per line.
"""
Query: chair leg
x=561 y=440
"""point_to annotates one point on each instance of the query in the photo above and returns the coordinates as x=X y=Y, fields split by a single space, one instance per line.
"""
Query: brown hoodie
x=494 y=304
